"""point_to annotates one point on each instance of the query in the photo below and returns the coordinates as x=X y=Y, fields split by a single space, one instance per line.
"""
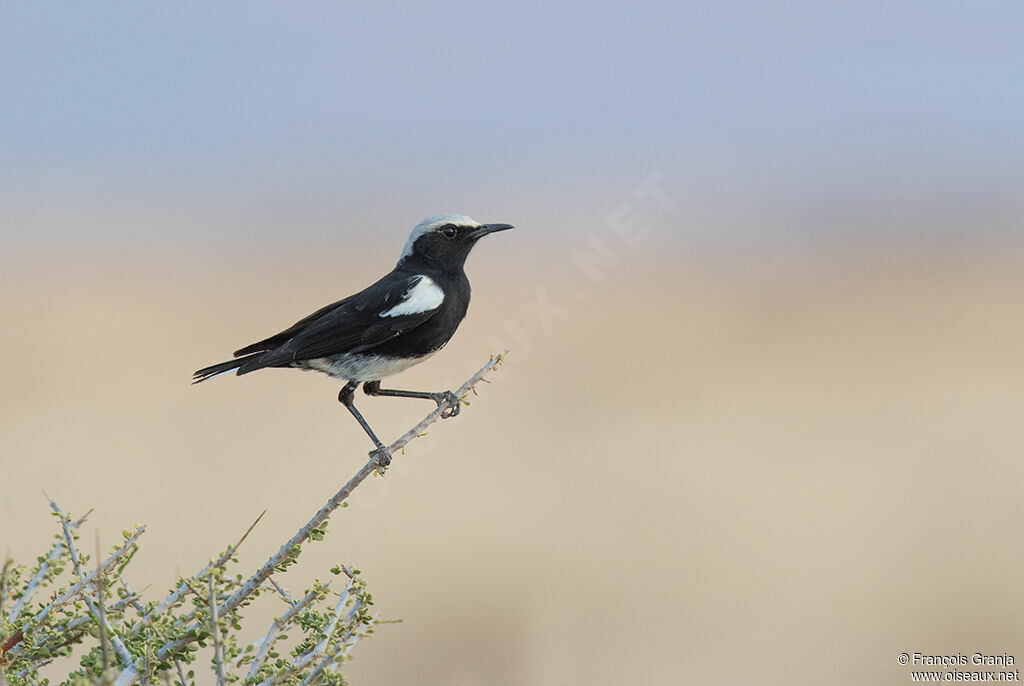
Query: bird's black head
x=445 y=240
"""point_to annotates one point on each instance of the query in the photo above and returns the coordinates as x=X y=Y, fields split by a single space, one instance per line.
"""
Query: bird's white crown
x=435 y=222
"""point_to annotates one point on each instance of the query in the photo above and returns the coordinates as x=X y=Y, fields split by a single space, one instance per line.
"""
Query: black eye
x=449 y=231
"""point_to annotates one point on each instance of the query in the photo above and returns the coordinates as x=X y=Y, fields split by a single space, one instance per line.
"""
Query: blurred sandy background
x=773 y=436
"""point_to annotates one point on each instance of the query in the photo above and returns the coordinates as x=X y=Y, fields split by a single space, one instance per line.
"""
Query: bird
x=403 y=319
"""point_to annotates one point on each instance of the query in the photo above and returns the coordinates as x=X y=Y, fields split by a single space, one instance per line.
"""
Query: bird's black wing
x=283 y=337
x=354 y=324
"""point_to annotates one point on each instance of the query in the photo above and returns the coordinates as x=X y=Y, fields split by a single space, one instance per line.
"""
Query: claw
x=448 y=403
x=382 y=456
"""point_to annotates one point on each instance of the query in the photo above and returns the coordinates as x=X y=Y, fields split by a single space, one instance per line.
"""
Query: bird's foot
x=448 y=403
x=382 y=456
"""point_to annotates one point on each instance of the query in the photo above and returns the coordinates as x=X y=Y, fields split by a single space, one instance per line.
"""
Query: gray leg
x=445 y=400
x=347 y=398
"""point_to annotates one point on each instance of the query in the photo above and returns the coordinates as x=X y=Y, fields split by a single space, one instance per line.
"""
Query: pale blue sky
x=226 y=120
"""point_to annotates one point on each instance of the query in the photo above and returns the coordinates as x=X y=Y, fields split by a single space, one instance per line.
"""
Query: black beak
x=482 y=231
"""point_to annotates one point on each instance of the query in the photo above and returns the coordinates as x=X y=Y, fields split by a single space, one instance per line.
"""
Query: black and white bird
x=400 y=321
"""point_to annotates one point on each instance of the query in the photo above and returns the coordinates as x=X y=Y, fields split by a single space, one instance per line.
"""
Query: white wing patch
x=425 y=295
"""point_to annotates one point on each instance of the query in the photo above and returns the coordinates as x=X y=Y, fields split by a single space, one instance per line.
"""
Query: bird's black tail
x=214 y=370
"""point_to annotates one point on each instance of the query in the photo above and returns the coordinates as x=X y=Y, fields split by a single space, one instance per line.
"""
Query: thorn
x=249 y=530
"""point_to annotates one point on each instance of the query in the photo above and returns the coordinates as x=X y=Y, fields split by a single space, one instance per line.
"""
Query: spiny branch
x=215 y=632
x=275 y=629
x=95 y=606
x=174 y=596
x=131 y=674
x=77 y=589
x=55 y=554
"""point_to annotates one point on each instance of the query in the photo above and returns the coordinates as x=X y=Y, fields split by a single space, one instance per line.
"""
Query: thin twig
x=278 y=624
x=215 y=633
x=315 y=673
x=34 y=668
x=78 y=588
x=320 y=649
x=351 y=640
x=132 y=598
x=344 y=644
x=55 y=553
x=284 y=593
x=3 y=582
x=77 y=626
x=195 y=591
x=181 y=672
x=101 y=615
x=464 y=389
x=130 y=674
x=174 y=596
x=96 y=608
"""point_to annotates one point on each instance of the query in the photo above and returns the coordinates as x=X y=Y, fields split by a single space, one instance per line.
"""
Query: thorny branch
x=55 y=552
x=338 y=633
x=174 y=596
x=131 y=674
x=275 y=629
x=214 y=632
x=74 y=592
x=95 y=603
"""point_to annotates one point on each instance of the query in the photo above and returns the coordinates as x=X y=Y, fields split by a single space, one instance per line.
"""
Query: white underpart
x=435 y=222
x=425 y=295
x=362 y=366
